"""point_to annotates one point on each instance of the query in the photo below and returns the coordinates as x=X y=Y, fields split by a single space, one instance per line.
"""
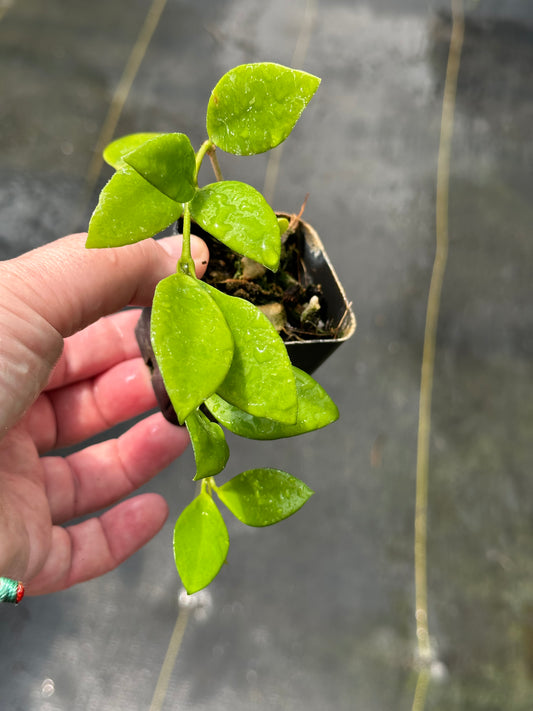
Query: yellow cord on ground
x=123 y=89
x=297 y=62
x=428 y=357
x=170 y=659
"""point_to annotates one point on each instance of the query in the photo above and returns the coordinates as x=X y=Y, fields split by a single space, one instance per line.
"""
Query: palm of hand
x=98 y=382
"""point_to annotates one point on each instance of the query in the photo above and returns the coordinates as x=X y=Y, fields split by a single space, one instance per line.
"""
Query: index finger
x=100 y=346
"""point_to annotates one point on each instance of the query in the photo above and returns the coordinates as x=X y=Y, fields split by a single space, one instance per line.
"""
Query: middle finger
x=74 y=413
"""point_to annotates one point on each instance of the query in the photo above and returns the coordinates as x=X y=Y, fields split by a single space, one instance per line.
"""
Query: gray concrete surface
x=317 y=613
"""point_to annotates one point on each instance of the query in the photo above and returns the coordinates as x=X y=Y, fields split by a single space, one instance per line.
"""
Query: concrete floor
x=316 y=613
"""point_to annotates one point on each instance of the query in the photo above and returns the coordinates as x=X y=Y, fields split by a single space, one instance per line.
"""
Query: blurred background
x=317 y=612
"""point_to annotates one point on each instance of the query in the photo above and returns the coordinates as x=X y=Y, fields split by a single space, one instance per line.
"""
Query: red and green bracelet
x=11 y=590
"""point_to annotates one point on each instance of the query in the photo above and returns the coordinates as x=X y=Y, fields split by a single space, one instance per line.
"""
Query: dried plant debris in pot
x=288 y=297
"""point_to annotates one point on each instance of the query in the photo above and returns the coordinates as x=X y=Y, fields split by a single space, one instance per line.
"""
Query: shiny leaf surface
x=209 y=445
x=254 y=107
x=191 y=341
x=168 y=163
x=315 y=410
x=240 y=217
x=130 y=209
x=261 y=497
x=201 y=543
x=114 y=153
x=260 y=379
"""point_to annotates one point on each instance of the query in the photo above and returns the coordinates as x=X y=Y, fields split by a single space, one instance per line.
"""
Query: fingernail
x=199 y=249
x=171 y=245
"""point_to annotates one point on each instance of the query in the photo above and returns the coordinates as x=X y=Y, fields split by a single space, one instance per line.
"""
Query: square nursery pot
x=305 y=354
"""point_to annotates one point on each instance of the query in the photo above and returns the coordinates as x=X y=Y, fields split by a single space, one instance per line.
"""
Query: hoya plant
x=223 y=363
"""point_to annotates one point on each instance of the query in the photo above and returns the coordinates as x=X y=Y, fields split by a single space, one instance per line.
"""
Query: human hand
x=65 y=375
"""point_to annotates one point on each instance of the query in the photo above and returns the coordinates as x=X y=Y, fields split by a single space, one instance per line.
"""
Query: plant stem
x=209 y=483
x=212 y=153
x=204 y=148
x=185 y=262
x=209 y=148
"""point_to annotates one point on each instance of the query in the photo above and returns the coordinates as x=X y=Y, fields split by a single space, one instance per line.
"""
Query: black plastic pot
x=307 y=355
x=142 y=332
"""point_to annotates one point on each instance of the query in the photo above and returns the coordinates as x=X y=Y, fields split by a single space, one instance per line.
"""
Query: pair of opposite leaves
x=259 y=497
x=150 y=186
x=222 y=351
x=252 y=109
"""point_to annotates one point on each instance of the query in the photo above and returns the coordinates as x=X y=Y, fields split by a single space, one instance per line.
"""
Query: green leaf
x=254 y=107
x=238 y=215
x=201 y=543
x=315 y=410
x=261 y=497
x=209 y=445
x=167 y=162
x=260 y=379
x=191 y=341
x=114 y=153
x=130 y=209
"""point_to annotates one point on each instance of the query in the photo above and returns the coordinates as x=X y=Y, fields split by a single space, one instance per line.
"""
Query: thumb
x=71 y=286
x=53 y=291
